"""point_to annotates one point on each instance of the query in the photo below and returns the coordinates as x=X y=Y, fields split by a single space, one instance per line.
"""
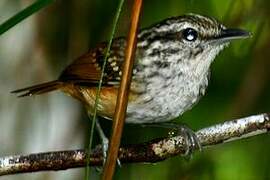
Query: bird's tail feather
x=39 y=89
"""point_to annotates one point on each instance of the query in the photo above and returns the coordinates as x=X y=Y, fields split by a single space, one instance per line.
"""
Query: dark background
x=39 y=48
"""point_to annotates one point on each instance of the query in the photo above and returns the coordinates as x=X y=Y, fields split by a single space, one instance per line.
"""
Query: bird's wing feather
x=86 y=70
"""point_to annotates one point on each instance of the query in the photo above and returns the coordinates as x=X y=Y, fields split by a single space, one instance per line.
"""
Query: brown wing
x=86 y=70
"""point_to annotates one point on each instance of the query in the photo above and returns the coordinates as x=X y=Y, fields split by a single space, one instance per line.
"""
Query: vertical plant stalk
x=115 y=21
x=28 y=11
x=122 y=98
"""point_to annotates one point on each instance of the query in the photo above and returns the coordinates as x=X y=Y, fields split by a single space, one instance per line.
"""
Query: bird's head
x=189 y=39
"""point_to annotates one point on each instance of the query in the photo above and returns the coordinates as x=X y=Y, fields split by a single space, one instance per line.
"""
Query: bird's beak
x=230 y=34
x=227 y=35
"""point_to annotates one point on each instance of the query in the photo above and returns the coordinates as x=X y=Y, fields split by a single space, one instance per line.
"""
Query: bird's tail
x=39 y=88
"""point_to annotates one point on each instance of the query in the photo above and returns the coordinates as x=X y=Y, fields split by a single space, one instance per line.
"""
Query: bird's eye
x=190 y=34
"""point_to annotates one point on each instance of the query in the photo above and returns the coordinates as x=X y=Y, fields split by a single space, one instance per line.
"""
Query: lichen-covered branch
x=153 y=151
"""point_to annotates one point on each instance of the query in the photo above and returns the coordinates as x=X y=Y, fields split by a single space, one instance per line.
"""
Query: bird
x=170 y=73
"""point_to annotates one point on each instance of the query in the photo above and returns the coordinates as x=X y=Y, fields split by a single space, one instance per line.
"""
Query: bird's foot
x=105 y=143
x=105 y=147
x=191 y=141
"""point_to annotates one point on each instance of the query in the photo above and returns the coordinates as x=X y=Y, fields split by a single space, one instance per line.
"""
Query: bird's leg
x=190 y=137
x=104 y=140
x=102 y=136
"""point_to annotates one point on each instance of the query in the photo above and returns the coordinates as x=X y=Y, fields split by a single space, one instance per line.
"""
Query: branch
x=152 y=151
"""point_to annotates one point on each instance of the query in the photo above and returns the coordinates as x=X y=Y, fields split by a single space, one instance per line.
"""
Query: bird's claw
x=105 y=147
x=191 y=140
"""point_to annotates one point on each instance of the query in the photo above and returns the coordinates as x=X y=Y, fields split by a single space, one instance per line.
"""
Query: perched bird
x=170 y=75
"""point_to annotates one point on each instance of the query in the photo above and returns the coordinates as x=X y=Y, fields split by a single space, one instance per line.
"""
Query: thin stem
x=123 y=92
x=115 y=21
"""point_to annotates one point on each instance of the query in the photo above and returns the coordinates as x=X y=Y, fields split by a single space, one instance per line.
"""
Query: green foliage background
x=64 y=30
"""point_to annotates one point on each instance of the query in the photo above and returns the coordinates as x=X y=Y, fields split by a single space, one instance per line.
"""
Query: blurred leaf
x=20 y=16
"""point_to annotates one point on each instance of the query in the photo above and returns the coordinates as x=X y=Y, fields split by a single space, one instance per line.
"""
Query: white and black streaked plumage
x=170 y=73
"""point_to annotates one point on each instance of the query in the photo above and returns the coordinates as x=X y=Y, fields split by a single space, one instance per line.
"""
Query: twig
x=153 y=151
x=123 y=92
